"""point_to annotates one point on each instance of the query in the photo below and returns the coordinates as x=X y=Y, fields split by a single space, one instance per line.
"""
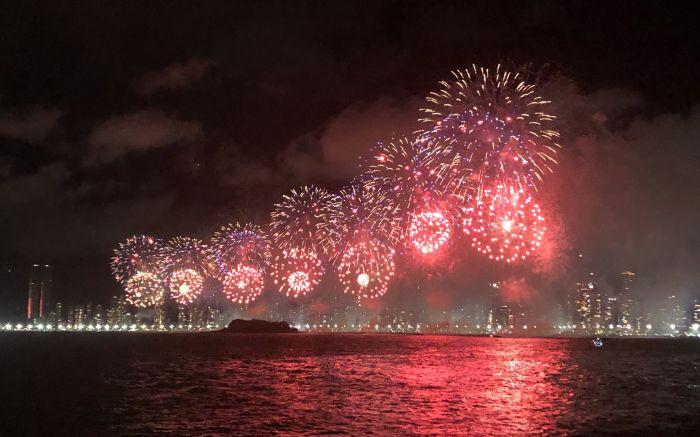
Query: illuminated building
x=39 y=293
x=611 y=310
x=214 y=318
x=183 y=319
x=673 y=317
x=59 y=313
x=696 y=312
x=589 y=304
x=98 y=317
x=625 y=302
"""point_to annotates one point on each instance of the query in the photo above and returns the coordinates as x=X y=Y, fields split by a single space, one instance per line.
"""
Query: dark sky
x=174 y=117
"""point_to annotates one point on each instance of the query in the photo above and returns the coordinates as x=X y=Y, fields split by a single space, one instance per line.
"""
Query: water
x=315 y=384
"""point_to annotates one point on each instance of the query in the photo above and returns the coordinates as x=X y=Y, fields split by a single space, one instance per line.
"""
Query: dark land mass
x=240 y=326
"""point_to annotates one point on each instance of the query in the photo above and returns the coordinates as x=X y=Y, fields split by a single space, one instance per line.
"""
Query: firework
x=297 y=220
x=185 y=285
x=243 y=283
x=428 y=231
x=243 y=256
x=365 y=269
x=361 y=211
x=139 y=253
x=144 y=289
x=428 y=183
x=363 y=225
x=297 y=271
x=496 y=120
x=187 y=262
x=506 y=224
x=241 y=244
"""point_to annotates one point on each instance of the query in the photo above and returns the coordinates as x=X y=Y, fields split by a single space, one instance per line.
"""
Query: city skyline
x=589 y=308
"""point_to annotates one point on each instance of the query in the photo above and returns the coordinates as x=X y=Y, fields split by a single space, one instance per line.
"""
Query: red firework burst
x=243 y=284
x=429 y=231
x=144 y=289
x=365 y=269
x=506 y=224
x=297 y=271
x=185 y=285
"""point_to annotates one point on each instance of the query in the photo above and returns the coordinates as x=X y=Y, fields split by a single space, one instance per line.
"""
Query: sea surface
x=345 y=384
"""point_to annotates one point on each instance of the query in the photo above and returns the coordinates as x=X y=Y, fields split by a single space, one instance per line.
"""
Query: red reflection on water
x=355 y=385
x=488 y=386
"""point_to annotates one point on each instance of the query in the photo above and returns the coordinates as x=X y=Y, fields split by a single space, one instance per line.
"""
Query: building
x=589 y=304
x=625 y=301
x=39 y=293
x=673 y=316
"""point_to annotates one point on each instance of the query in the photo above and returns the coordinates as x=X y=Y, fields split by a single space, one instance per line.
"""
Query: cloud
x=32 y=126
x=333 y=151
x=43 y=186
x=234 y=169
x=138 y=132
x=174 y=76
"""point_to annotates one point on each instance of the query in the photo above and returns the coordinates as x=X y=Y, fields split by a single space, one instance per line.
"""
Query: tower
x=39 y=292
x=625 y=299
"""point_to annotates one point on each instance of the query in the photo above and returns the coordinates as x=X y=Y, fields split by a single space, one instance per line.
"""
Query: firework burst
x=297 y=230
x=243 y=255
x=361 y=211
x=144 y=289
x=428 y=184
x=243 y=283
x=185 y=285
x=296 y=272
x=237 y=244
x=365 y=269
x=429 y=231
x=497 y=121
x=364 y=228
x=187 y=262
x=297 y=221
x=139 y=253
x=506 y=224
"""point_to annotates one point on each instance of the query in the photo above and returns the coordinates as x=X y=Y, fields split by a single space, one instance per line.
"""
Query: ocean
x=345 y=384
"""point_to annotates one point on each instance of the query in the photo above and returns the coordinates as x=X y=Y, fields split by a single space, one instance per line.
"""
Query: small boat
x=597 y=342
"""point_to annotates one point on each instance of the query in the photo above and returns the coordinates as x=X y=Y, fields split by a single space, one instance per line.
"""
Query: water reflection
x=392 y=385
x=486 y=386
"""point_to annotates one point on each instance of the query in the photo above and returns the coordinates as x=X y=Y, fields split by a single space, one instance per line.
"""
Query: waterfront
x=195 y=384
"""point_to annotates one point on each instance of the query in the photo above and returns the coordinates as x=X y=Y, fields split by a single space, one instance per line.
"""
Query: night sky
x=175 y=117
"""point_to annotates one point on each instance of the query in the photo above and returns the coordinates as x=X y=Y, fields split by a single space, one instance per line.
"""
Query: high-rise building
x=39 y=293
x=589 y=299
x=59 y=313
x=673 y=315
x=625 y=300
